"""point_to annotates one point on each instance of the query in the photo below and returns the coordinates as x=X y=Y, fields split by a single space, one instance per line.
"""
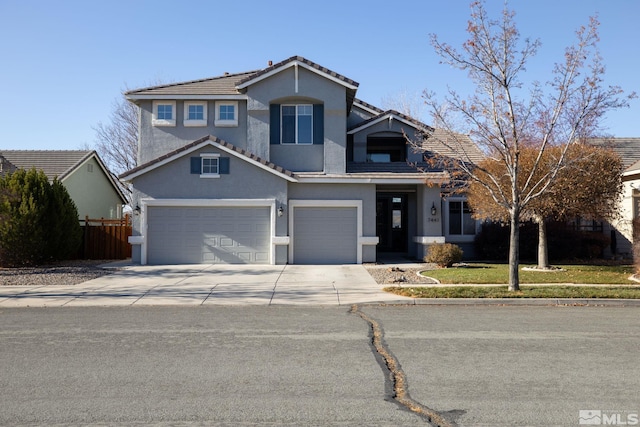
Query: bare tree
x=502 y=117
x=117 y=140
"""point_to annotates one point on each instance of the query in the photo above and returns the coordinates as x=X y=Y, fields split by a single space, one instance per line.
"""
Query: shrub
x=443 y=254
x=40 y=221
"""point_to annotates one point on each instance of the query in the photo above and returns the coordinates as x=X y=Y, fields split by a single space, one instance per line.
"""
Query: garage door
x=211 y=235
x=325 y=235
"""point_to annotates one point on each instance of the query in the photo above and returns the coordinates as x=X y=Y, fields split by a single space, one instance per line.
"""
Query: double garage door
x=242 y=235
x=215 y=235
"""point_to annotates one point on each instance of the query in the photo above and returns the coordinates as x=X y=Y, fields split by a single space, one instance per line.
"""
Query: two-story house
x=283 y=165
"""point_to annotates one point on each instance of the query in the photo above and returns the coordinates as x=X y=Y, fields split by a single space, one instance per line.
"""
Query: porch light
x=280 y=211
x=434 y=211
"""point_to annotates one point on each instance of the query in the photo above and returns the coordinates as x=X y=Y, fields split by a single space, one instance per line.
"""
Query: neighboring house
x=89 y=183
x=284 y=165
x=6 y=166
x=621 y=230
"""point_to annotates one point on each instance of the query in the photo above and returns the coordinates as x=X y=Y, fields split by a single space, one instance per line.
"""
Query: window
x=460 y=221
x=209 y=165
x=297 y=124
x=195 y=113
x=226 y=114
x=164 y=113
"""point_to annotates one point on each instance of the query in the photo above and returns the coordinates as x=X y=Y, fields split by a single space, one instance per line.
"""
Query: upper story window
x=209 y=165
x=460 y=221
x=195 y=113
x=164 y=113
x=386 y=150
x=297 y=124
x=226 y=113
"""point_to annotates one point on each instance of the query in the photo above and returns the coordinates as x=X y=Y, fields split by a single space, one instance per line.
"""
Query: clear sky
x=63 y=63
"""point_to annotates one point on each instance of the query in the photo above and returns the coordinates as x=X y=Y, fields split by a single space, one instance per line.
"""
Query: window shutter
x=318 y=124
x=196 y=165
x=223 y=165
x=274 y=123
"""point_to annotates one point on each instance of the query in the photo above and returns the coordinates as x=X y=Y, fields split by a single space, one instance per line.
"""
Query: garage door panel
x=325 y=235
x=208 y=235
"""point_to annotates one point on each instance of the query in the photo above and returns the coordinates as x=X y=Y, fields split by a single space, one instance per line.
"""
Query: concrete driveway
x=210 y=285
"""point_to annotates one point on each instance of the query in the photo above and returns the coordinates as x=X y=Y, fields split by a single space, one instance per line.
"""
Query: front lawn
x=483 y=273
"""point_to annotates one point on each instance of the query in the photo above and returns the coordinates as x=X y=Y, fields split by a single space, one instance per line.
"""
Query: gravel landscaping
x=394 y=275
x=64 y=273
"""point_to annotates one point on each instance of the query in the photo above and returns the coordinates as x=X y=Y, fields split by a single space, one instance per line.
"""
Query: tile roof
x=453 y=145
x=221 y=85
x=391 y=113
x=186 y=148
x=627 y=148
x=392 y=168
x=52 y=162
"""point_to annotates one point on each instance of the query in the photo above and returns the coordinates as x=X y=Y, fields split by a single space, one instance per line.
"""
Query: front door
x=391 y=222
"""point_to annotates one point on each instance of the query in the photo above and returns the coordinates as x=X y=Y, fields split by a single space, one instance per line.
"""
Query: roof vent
x=226 y=73
x=270 y=63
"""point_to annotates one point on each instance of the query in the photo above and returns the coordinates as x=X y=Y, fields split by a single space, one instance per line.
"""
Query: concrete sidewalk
x=211 y=285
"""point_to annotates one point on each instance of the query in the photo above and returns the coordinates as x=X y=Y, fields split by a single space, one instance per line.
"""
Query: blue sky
x=63 y=63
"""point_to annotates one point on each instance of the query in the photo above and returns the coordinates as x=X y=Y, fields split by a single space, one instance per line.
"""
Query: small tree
x=588 y=185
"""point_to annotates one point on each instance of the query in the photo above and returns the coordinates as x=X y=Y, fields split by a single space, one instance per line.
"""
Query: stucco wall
x=311 y=88
x=92 y=192
x=158 y=140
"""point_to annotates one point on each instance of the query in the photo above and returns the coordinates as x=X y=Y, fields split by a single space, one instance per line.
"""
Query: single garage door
x=325 y=235
x=209 y=235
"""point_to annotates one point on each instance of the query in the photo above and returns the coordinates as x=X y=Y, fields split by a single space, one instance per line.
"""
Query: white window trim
x=209 y=156
x=296 y=129
x=460 y=238
x=195 y=123
x=226 y=123
x=163 y=122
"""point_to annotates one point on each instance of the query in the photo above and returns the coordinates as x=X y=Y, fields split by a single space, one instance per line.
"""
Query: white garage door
x=325 y=235
x=209 y=235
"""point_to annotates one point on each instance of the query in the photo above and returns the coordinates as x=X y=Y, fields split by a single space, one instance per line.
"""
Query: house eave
x=209 y=97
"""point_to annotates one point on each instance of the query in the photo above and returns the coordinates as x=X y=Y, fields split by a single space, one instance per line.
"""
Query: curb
x=591 y=302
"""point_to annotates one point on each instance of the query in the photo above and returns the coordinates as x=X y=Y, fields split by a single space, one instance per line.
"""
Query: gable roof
x=627 y=148
x=57 y=163
x=390 y=115
x=202 y=142
x=233 y=86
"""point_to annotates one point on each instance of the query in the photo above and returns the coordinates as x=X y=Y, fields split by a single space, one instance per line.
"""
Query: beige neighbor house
x=88 y=181
x=621 y=230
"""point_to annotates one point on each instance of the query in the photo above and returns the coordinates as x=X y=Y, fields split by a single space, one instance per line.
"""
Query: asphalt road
x=284 y=365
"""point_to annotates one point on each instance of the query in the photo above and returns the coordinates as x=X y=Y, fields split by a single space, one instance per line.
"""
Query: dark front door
x=391 y=222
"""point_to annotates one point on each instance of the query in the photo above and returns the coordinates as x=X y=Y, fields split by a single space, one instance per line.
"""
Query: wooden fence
x=106 y=238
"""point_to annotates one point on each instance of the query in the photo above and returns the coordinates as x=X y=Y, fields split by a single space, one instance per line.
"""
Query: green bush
x=443 y=254
x=39 y=220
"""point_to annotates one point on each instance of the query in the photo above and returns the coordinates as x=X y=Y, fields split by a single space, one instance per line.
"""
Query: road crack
x=397 y=375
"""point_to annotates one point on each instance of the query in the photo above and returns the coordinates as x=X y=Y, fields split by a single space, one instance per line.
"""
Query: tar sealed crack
x=398 y=377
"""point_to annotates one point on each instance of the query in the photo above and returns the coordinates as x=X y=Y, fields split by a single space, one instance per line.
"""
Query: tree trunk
x=543 y=251
x=514 y=251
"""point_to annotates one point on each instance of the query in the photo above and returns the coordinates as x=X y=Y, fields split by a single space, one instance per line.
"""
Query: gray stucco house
x=89 y=183
x=283 y=165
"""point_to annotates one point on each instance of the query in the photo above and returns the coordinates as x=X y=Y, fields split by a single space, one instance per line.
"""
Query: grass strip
x=547 y=291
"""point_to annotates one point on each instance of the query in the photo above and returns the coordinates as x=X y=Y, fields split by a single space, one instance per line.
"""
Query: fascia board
x=379 y=120
x=187 y=97
x=199 y=146
x=293 y=64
